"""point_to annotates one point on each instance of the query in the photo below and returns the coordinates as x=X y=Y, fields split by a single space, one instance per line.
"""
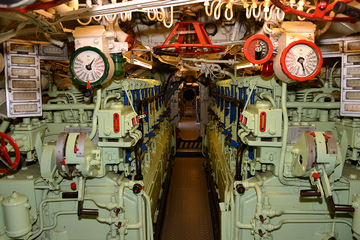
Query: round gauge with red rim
x=258 y=49
x=301 y=60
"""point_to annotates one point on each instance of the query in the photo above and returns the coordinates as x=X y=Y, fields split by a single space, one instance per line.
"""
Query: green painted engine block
x=82 y=172
x=283 y=163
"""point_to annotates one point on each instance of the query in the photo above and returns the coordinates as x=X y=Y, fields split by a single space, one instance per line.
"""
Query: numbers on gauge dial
x=301 y=60
x=89 y=66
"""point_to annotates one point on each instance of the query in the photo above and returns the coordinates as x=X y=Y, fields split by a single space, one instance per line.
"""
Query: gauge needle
x=88 y=67
x=257 y=51
x=301 y=61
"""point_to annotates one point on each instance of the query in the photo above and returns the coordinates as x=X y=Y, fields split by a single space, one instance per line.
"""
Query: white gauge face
x=301 y=60
x=89 y=66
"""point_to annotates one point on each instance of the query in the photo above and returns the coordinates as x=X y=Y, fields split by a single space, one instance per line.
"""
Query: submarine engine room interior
x=179 y=119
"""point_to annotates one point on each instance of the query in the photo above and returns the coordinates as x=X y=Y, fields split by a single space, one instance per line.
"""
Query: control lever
x=310 y=193
x=339 y=207
x=323 y=185
x=167 y=53
x=343 y=8
x=86 y=212
x=81 y=210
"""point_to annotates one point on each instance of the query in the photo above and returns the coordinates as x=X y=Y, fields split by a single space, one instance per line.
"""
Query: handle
x=347 y=10
x=310 y=193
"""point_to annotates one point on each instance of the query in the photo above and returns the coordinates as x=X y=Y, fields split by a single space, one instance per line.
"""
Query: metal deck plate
x=188 y=211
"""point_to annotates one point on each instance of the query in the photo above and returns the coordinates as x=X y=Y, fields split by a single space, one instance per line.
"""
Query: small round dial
x=211 y=29
x=301 y=60
x=89 y=65
x=258 y=49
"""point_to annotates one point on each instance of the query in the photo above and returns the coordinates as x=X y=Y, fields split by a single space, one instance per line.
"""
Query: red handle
x=322 y=7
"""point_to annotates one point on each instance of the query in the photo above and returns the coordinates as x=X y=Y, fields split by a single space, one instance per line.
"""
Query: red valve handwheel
x=322 y=7
x=4 y=153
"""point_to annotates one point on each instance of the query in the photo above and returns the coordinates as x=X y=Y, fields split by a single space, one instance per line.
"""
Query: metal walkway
x=188 y=211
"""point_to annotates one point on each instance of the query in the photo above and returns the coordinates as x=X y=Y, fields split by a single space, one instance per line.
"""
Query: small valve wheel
x=5 y=159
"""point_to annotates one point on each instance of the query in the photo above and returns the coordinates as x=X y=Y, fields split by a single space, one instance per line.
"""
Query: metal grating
x=188 y=211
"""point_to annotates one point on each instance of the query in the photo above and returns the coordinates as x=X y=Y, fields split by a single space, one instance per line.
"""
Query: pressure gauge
x=258 y=49
x=90 y=66
x=301 y=60
x=211 y=29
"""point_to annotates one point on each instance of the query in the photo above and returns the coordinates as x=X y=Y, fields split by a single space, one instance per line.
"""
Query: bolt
x=240 y=188
x=119 y=225
x=261 y=233
x=261 y=218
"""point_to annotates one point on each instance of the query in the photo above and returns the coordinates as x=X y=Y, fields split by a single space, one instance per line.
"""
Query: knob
x=137 y=188
x=240 y=188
